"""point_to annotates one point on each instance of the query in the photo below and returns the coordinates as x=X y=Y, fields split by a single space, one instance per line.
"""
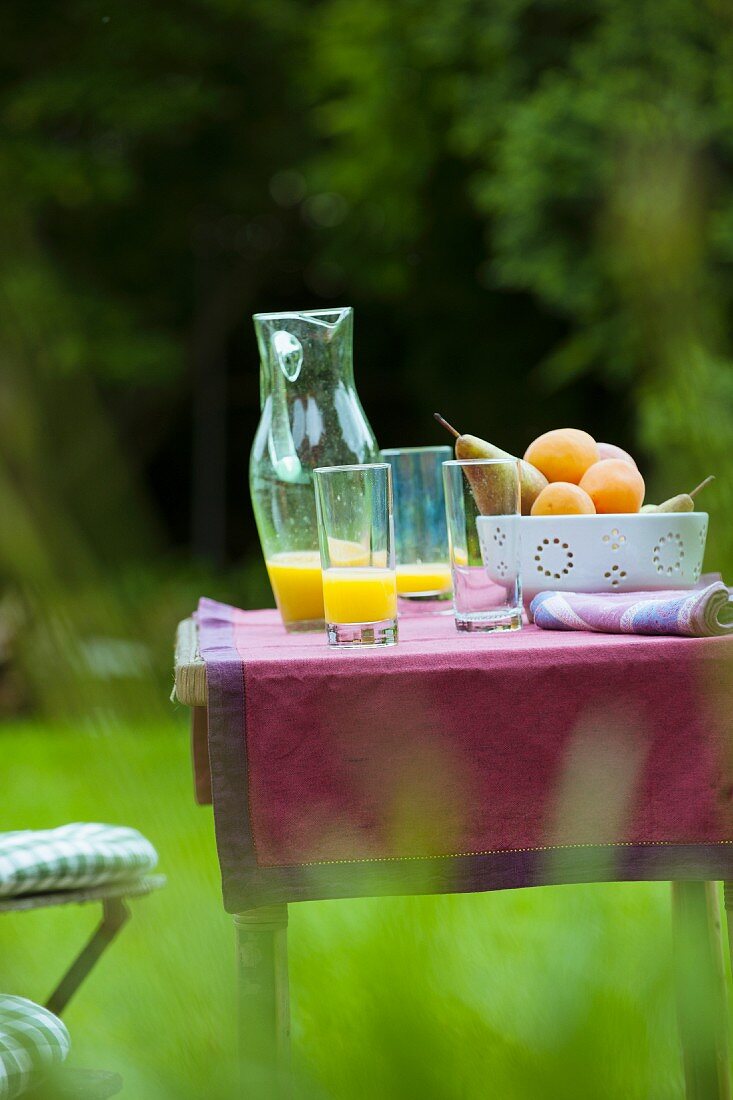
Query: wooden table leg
x=701 y=993
x=263 y=1000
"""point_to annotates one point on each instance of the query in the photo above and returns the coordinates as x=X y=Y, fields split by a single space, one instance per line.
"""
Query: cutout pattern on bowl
x=502 y=568
x=668 y=554
x=615 y=575
x=499 y=536
x=616 y=539
x=553 y=558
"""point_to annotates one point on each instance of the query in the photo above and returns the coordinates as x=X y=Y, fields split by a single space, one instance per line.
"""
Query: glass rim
x=415 y=450
x=352 y=468
x=482 y=462
x=335 y=311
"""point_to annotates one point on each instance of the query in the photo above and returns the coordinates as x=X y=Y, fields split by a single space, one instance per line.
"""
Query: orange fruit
x=561 y=498
x=614 y=486
x=563 y=454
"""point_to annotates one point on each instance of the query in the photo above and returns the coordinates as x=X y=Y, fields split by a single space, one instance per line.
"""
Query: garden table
x=455 y=763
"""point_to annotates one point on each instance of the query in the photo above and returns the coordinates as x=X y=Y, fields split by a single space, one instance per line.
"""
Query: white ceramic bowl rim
x=606 y=516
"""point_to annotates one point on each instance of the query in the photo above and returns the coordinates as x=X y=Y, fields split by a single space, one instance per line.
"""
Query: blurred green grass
x=558 y=992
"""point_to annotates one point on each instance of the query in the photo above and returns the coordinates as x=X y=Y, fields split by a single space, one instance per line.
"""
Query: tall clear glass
x=421 y=535
x=311 y=416
x=483 y=505
x=356 y=536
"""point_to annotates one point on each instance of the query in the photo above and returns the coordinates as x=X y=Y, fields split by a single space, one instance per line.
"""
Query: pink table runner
x=463 y=762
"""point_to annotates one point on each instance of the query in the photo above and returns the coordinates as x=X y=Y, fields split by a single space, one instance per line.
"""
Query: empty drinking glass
x=421 y=536
x=482 y=500
x=356 y=538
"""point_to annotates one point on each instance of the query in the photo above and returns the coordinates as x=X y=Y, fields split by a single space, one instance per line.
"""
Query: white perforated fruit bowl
x=616 y=553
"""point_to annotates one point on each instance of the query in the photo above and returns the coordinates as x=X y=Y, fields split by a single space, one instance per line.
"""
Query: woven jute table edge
x=190 y=686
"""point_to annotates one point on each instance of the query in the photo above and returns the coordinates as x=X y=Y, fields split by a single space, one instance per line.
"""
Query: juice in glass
x=356 y=595
x=296 y=582
x=424 y=579
x=295 y=577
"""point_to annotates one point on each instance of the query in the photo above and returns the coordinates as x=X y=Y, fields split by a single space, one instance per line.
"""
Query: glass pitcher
x=311 y=416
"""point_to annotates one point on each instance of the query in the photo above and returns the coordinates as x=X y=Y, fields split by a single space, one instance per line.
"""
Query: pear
x=487 y=493
x=683 y=502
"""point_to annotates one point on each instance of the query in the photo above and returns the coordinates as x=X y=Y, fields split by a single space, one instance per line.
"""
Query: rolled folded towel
x=703 y=612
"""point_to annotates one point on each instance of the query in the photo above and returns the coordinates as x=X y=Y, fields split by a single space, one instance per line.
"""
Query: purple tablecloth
x=463 y=762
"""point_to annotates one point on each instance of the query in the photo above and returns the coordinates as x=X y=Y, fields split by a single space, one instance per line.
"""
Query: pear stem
x=449 y=427
x=702 y=485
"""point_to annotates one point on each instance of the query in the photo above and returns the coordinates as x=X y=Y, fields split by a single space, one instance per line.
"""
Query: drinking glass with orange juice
x=421 y=535
x=356 y=536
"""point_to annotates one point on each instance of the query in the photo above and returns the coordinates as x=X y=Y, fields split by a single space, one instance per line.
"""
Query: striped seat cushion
x=74 y=856
x=32 y=1040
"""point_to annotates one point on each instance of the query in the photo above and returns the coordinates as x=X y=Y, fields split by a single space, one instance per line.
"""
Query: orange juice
x=359 y=595
x=295 y=577
x=423 y=577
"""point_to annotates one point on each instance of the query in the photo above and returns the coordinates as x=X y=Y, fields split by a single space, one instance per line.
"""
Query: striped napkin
x=37 y=861
x=702 y=612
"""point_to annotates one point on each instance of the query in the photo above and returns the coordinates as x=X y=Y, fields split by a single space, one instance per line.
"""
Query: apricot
x=561 y=498
x=563 y=454
x=610 y=450
x=614 y=486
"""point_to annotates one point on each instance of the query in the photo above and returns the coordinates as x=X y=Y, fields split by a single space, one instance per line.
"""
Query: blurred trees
x=136 y=147
x=530 y=204
x=131 y=157
x=593 y=144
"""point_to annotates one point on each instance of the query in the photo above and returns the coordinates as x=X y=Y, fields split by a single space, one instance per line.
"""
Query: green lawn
x=563 y=992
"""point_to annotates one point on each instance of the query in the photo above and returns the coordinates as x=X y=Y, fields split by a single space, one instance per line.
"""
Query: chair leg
x=115 y=916
x=263 y=1000
x=701 y=993
x=728 y=901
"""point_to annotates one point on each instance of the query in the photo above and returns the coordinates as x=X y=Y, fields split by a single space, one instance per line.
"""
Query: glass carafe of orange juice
x=311 y=416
